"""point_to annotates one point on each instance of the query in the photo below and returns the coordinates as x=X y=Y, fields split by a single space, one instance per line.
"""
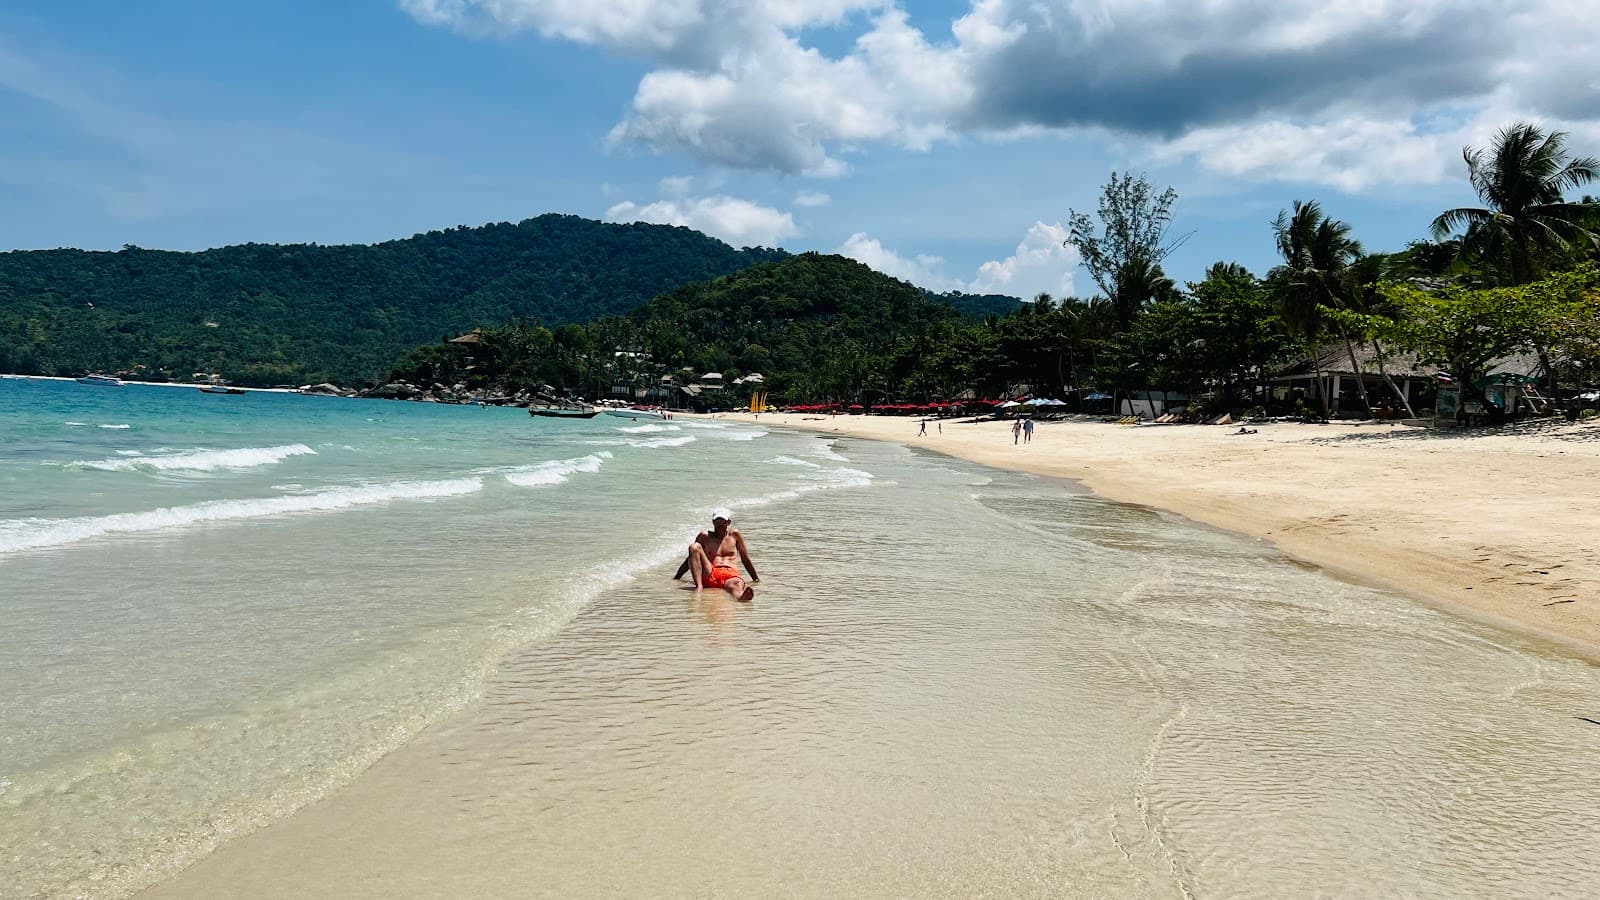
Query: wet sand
x=997 y=687
x=1499 y=526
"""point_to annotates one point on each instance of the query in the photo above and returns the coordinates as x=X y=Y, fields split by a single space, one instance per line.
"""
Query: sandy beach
x=1498 y=526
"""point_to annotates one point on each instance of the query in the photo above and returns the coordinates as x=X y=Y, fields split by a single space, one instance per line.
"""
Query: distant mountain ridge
x=273 y=313
x=261 y=314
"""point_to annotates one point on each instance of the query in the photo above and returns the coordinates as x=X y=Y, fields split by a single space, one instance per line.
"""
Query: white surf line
x=200 y=460
x=644 y=443
x=557 y=471
x=34 y=534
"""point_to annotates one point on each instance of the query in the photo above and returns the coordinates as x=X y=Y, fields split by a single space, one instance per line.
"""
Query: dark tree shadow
x=1554 y=428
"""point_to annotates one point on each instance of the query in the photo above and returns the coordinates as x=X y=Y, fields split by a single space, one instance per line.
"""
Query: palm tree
x=1522 y=180
x=1219 y=271
x=1364 y=275
x=1318 y=253
x=1139 y=282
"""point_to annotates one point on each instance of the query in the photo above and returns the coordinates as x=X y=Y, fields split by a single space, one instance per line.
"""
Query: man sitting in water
x=714 y=557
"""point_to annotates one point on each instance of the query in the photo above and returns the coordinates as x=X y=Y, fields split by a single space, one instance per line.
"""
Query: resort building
x=1339 y=379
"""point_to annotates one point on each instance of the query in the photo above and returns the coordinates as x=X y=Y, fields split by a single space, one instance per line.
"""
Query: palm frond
x=1578 y=173
x=1453 y=220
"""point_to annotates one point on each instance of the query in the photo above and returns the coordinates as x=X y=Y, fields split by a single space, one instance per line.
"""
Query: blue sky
x=943 y=142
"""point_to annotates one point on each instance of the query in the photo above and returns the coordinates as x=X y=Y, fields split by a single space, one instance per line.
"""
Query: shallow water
x=954 y=682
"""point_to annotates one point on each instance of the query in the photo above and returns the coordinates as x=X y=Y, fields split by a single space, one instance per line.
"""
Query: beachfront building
x=1418 y=382
x=1300 y=381
x=1152 y=404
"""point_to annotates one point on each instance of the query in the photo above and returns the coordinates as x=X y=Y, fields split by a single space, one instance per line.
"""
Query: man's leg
x=738 y=590
x=699 y=565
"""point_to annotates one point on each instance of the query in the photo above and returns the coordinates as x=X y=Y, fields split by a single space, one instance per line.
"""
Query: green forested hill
x=292 y=314
x=815 y=325
x=981 y=306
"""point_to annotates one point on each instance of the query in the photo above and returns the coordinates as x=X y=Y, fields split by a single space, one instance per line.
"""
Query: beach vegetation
x=1124 y=252
x=1464 y=329
x=1526 y=223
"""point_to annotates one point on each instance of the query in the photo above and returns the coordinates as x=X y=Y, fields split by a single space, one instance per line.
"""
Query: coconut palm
x=1317 y=255
x=1522 y=179
x=1138 y=283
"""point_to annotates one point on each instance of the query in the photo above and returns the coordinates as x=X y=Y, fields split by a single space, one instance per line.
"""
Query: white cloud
x=1040 y=264
x=677 y=185
x=737 y=221
x=921 y=270
x=1352 y=154
x=1293 y=88
x=812 y=199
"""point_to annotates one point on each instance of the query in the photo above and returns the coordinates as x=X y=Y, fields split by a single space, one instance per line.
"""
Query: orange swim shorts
x=721 y=575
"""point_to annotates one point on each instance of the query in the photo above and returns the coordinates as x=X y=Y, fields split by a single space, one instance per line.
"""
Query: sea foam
x=826 y=451
x=645 y=443
x=199 y=460
x=649 y=429
x=33 y=534
x=791 y=461
x=557 y=471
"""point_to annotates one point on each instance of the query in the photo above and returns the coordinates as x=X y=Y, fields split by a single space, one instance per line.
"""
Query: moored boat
x=564 y=412
x=635 y=412
x=100 y=379
x=221 y=389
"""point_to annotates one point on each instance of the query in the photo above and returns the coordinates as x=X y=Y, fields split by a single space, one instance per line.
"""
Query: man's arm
x=744 y=555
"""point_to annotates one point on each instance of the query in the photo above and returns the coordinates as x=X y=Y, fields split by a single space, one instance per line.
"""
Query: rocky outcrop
x=494 y=395
x=332 y=390
x=394 y=390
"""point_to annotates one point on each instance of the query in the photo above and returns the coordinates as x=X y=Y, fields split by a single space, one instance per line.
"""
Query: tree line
x=1517 y=274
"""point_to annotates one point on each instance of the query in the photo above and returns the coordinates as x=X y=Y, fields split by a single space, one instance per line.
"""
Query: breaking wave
x=199 y=460
x=557 y=471
x=645 y=443
x=33 y=534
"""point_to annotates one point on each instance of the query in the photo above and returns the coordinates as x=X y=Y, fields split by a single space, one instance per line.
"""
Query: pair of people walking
x=1022 y=431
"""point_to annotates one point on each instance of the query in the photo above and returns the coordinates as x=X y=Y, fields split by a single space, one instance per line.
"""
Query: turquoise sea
x=369 y=648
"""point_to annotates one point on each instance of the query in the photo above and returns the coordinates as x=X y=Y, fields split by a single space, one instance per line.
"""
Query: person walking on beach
x=714 y=559
x=924 y=431
x=1027 y=431
x=1016 y=432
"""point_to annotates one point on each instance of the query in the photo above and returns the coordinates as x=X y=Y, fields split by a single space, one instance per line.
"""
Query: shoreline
x=162 y=384
x=1370 y=503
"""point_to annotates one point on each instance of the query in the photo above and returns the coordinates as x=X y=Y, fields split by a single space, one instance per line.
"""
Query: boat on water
x=635 y=412
x=221 y=389
x=564 y=412
x=101 y=379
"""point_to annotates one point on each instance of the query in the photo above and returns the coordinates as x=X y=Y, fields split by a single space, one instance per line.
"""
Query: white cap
x=723 y=513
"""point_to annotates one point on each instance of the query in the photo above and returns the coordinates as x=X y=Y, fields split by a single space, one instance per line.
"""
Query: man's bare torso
x=723 y=551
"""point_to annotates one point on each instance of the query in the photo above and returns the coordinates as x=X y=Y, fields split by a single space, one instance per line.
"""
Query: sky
x=943 y=142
